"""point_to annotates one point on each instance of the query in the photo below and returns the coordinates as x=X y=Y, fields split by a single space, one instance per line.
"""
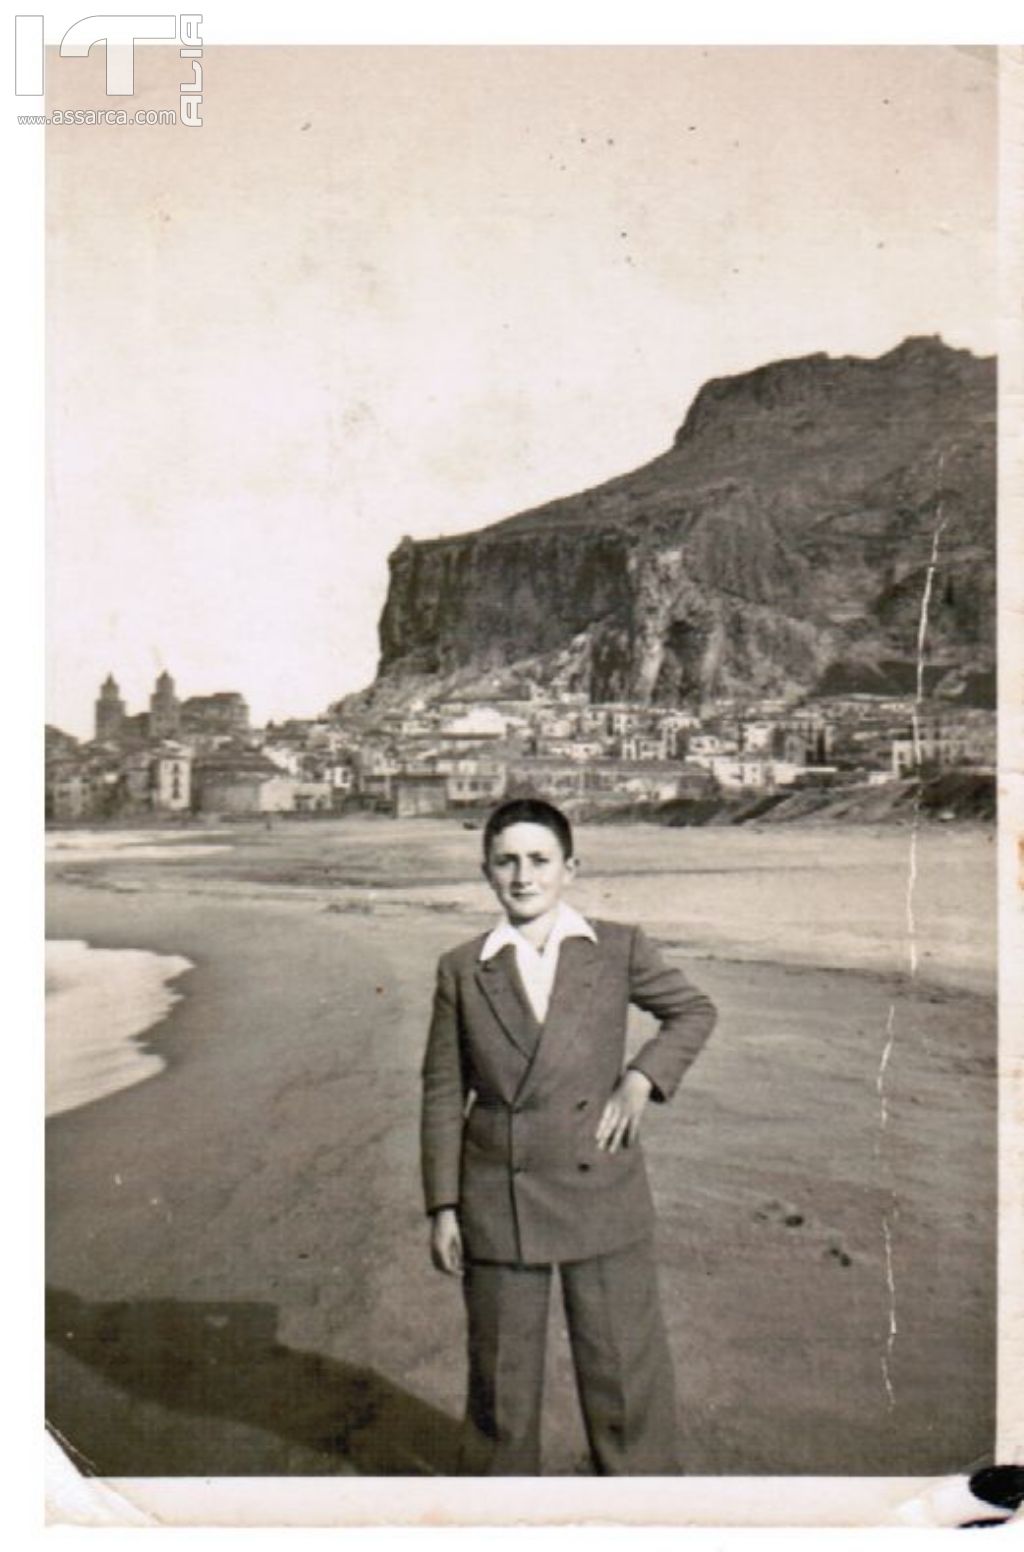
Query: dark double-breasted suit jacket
x=511 y=1108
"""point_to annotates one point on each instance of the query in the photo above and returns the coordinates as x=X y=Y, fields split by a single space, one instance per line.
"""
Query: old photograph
x=521 y=768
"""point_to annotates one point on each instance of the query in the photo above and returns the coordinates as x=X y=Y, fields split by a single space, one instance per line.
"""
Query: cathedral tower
x=110 y=710
x=164 y=709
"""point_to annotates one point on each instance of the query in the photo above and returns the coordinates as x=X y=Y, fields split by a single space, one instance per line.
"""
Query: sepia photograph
x=521 y=777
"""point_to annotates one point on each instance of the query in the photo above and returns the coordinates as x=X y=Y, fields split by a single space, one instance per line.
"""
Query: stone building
x=223 y=712
x=655 y=781
x=136 y=782
x=155 y=781
x=805 y=740
x=164 y=709
x=932 y=747
x=82 y=788
x=376 y=768
x=476 y=781
x=69 y=795
x=135 y=729
x=554 y=778
x=643 y=747
x=415 y=795
x=172 y=780
x=110 y=712
x=312 y=797
x=750 y=772
x=247 y=792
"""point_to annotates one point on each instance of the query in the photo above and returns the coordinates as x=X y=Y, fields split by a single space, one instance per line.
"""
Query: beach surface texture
x=239 y=1280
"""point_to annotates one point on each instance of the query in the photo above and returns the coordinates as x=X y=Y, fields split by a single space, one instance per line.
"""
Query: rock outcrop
x=788 y=534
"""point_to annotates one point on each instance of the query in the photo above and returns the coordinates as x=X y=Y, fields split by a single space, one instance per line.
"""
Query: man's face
x=527 y=871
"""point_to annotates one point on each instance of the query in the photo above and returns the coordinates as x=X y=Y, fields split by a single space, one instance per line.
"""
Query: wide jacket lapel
x=579 y=963
x=500 y=984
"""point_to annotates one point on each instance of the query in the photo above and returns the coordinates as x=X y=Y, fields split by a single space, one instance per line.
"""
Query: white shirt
x=538 y=967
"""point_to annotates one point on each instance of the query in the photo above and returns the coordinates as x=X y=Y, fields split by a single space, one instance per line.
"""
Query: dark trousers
x=620 y=1356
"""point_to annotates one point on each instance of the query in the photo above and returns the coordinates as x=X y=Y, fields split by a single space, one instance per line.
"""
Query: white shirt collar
x=568 y=923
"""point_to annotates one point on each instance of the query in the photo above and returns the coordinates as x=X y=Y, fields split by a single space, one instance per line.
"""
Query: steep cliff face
x=789 y=529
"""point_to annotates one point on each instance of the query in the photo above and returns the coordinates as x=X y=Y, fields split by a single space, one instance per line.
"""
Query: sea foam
x=98 y=1002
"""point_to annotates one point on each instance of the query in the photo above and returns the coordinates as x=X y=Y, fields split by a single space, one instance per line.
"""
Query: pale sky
x=411 y=291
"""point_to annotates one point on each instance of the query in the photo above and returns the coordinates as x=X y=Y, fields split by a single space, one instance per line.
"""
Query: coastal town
x=200 y=755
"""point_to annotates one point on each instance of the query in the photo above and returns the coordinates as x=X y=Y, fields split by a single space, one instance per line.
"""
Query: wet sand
x=239 y=1282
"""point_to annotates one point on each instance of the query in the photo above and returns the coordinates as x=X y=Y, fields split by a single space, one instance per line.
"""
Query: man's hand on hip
x=620 y=1119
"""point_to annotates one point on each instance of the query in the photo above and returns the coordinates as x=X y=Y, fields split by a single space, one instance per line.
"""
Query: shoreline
x=476 y=922
x=102 y=1002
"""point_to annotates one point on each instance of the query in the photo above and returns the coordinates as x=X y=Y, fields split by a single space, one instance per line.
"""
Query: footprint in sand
x=786 y=1216
x=767 y=1211
x=779 y=1212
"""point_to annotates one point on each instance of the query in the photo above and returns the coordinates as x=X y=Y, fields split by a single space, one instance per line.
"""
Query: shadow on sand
x=211 y=1364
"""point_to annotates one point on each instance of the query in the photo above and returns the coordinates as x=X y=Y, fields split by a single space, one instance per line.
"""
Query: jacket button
x=517 y=1169
x=583 y=1167
x=581 y=1104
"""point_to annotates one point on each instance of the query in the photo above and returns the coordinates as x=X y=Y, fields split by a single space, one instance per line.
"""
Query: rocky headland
x=780 y=546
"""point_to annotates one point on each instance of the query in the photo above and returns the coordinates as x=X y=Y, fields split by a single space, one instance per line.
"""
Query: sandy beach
x=238 y=1275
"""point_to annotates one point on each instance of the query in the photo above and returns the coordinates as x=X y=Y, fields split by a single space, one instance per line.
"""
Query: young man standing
x=531 y=1156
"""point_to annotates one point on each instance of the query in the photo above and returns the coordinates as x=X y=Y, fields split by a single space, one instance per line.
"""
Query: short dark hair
x=528 y=811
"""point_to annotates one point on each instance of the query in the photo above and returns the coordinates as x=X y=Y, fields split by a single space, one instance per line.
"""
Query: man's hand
x=620 y=1119
x=446 y=1241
